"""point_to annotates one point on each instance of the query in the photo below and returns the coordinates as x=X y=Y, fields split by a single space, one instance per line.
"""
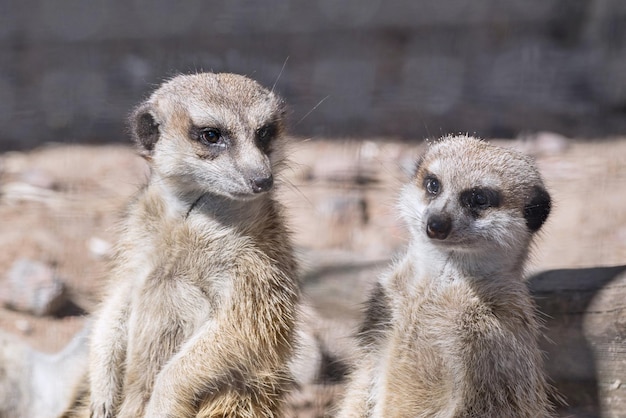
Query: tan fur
x=452 y=330
x=199 y=317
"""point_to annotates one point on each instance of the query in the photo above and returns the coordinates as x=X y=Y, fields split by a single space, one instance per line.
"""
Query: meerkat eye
x=480 y=198
x=432 y=185
x=210 y=135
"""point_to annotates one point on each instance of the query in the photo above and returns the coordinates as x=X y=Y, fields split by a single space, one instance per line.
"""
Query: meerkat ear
x=144 y=128
x=537 y=209
x=412 y=171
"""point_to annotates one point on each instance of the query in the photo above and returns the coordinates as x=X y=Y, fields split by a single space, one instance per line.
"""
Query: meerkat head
x=212 y=133
x=467 y=196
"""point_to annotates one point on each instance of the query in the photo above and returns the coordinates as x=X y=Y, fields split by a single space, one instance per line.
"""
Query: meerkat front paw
x=101 y=410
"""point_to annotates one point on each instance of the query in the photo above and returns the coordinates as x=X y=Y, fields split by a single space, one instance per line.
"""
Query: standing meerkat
x=200 y=314
x=452 y=330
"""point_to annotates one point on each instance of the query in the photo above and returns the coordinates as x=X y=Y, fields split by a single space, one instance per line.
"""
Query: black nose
x=262 y=184
x=438 y=226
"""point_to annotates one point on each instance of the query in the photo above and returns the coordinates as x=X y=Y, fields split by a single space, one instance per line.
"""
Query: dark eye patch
x=265 y=134
x=480 y=198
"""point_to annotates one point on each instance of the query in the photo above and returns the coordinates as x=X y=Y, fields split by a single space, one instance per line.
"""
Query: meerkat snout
x=438 y=226
x=262 y=184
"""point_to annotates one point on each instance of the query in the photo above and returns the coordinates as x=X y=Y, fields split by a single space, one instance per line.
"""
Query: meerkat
x=452 y=330
x=200 y=313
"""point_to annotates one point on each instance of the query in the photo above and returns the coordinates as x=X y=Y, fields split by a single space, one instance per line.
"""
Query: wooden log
x=585 y=318
x=584 y=312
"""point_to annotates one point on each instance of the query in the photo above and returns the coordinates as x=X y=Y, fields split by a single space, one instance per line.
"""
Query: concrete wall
x=70 y=70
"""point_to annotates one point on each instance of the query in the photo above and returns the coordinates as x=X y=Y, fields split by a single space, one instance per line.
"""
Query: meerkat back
x=451 y=330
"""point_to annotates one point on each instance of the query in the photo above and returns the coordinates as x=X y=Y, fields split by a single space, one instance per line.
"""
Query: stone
x=33 y=287
x=40 y=385
x=99 y=248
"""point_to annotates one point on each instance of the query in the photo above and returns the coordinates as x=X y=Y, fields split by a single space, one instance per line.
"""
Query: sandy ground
x=59 y=205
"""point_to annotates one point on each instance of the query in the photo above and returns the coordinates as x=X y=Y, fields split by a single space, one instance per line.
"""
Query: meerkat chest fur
x=187 y=264
x=201 y=247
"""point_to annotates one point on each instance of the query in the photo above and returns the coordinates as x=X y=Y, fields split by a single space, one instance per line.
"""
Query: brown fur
x=200 y=314
x=452 y=330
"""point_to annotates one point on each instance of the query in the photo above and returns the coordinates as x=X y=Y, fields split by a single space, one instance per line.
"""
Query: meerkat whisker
x=279 y=74
x=312 y=110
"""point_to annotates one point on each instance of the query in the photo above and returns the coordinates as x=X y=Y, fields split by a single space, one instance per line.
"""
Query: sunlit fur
x=451 y=330
x=200 y=313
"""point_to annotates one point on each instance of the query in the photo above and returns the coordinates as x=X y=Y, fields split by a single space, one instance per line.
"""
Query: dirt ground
x=59 y=205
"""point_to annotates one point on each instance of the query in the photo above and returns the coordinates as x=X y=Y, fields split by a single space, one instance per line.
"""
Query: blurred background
x=366 y=81
x=70 y=70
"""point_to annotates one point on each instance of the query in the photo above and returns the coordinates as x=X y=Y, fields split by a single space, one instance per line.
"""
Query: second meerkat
x=200 y=315
x=451 y=331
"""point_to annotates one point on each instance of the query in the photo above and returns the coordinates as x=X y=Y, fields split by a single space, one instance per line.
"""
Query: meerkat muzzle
x=438 y=226
x=262 y=184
